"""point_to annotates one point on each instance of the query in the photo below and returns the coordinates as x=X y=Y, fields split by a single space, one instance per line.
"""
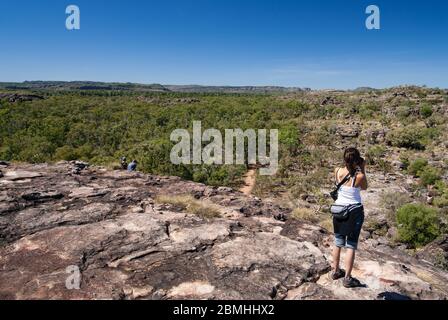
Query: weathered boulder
x=376 y=136
x=348 y=131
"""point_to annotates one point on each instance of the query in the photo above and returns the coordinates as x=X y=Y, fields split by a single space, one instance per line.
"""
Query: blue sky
x=317 y=44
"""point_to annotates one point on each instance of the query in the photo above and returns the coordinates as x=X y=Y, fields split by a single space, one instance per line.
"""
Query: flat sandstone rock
x=108 y=231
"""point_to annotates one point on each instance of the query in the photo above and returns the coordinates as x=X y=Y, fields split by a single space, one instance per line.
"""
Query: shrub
x=308 y=183
x=305 y=214
x=216 y=175
x=404 y=158
x=426 y=111
x=35 y=150
x=429 y=135
x=203 y=209
x=180 y=202
x=368 y=111
x=434 y=120
x=429 y=176
x=327 y=224
x=374 y=154
x=418 y=224
x=408 y=137
x=66 y=153
x=384 y=166
x=289 y=136
x=441 y=200
x=416 y=166
x=403 y=112
x=440 y=259
x=392 y=201
x=375 y=226
x=69 y=153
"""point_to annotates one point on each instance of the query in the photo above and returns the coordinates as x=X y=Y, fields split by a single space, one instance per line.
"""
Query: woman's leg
x=352 y=242
x=349 y=261
x=336 y=258
x=339 y=242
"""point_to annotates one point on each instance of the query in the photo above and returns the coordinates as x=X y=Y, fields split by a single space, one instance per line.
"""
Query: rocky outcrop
x=168 y=102
x=14 y=97
x=436 y=252
x=130 y=241
x=329 y=100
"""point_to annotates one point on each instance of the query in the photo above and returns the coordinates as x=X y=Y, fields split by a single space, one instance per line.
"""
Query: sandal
x=351 y=282
x=338 y=274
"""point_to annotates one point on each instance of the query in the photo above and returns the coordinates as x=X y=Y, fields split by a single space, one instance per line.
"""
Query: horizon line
x=226 y=85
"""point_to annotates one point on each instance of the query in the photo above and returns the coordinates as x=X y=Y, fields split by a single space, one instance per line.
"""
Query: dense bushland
x=399 y=129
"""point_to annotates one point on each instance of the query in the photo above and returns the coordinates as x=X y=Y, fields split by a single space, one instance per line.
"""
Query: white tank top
x=349 y=195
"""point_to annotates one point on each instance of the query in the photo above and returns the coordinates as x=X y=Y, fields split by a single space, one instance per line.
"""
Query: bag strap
x=340 y=184
x=354 y=179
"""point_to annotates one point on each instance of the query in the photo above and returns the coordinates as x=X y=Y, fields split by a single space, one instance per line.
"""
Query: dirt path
x=249 y=182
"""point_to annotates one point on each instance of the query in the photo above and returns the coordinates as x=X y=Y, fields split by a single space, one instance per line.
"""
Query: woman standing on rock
x=352 y=179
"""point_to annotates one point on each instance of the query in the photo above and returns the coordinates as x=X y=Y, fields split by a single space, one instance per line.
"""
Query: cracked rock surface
x=111 y=226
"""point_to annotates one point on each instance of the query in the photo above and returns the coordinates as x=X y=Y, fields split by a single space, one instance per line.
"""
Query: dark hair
x=352 y=159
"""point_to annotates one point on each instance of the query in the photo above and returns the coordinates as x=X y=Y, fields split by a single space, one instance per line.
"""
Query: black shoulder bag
x=334 y=193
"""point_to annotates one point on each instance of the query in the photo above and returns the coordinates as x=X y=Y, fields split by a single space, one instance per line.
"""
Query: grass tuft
x=203 y=209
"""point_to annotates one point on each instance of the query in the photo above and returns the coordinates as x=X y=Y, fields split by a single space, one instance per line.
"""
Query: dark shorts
x=347 y=232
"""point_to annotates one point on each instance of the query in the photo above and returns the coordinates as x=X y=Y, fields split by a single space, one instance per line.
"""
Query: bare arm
x=363 y=184
x=336 y=174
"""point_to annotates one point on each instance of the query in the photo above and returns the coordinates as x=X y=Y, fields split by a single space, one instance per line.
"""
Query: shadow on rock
x=392 y=296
